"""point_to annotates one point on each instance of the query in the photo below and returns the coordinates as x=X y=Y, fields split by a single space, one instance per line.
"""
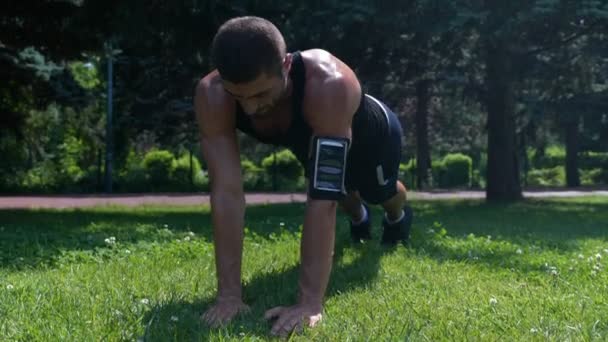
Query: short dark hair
x=245 y=47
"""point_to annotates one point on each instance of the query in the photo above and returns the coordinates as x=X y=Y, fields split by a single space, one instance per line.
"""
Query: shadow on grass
x=263 y=292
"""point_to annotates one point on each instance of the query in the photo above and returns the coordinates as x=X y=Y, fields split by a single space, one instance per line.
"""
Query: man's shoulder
x=210 y=95
x=326 y=72
x=213 y=105
x=332 y=88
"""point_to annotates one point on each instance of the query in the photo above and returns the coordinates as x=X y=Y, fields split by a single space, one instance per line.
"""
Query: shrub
x=593 y=160
x=458 y=170
x=159 y=166
x=407 y=173
x=287 y=165
x=547 y=177
x=554 y=156
x=182 y=180
x=253 y=175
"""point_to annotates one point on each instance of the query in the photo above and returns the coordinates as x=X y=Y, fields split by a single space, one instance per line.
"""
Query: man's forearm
x=316 y=252
x=228 y=211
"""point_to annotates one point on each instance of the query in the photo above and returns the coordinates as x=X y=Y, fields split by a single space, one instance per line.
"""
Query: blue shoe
x=398 y=231
x=362 y=231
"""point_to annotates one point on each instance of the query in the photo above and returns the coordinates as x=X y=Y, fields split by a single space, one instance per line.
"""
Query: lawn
x=533 y=270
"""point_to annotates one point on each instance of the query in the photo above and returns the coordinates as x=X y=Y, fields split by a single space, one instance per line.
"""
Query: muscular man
x=348 y=142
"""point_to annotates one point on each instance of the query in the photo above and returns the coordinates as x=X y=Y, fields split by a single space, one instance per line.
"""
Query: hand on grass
x=223 y=311
x=293 y=318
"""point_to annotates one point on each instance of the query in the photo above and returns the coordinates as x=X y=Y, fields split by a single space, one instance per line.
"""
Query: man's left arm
x=330 y=117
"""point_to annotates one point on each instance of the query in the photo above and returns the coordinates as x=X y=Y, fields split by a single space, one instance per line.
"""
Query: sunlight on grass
x=524 y=271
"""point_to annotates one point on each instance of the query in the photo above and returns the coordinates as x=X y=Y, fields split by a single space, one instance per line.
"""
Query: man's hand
x=293 y=318
x=223 y=311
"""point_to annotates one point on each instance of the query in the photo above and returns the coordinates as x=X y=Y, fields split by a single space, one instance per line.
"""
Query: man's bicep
x=223 y=159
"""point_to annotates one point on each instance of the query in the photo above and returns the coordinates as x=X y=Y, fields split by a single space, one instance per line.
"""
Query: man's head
x=250 y=56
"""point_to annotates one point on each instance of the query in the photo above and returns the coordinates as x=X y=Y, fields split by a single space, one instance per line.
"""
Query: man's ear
x=287 y=63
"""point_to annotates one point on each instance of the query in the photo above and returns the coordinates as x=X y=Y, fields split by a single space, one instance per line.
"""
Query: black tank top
x=370 y=122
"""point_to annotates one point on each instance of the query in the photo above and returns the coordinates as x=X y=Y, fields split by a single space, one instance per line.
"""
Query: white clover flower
x=282 y=224
x=554 y=273
x=145 y=301
x=493 y=301
x=187 y=238
x=431 y=231
x=127 y=251
x=580 y=256
x=590 y=259
x=174 y=319
x=533 y=331
x=191 y=234
x=519 y=251
x=598 y=256
x=110 y=241
x=165 y=225
x=596 y=268
x=9 y=287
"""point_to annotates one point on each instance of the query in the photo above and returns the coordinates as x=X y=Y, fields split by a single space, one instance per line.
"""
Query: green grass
x=474 y=271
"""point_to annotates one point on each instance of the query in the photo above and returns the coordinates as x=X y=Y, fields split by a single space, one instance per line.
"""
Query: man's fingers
x=285 y=323
x=274 y=312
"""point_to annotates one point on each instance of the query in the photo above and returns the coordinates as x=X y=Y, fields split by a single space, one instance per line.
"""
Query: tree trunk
x=572 y=176
x=423 y=153
x=503 y=171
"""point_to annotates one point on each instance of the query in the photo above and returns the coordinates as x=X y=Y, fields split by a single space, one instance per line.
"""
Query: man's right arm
x=221 y=153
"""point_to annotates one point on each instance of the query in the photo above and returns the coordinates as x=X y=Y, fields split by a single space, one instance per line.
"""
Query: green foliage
x=85 y=74
x=458 y=170
x=407 y=173
x=132 y=177
x=555 y=176
x=554 y=156
x=159 y=166
x=592 y=160
x=454 y=170
x=286 y=165
x=183 y=180
x=253 y=175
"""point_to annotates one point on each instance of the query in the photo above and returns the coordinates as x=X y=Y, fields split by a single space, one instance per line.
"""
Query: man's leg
x=393 y=207
x=360 y=222
x=398 y=217
x=352 y=205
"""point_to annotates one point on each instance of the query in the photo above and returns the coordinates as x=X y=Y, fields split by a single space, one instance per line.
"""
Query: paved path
x=81 y=201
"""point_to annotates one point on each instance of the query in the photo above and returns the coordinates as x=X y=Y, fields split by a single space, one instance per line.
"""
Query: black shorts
x=374 y=169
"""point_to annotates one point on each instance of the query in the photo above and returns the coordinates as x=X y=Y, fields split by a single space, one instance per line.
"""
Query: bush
x=132 y=177
x=593 y=160
x=547 y=177
x=182 y=180
x=287 y=165
x=458 y=170
x=554 y=156
x=454 y=170
x=407 y=173
x=159 y=166
x=253 y=176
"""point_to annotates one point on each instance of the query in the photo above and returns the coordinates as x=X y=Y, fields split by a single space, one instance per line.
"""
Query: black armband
x=328 y=168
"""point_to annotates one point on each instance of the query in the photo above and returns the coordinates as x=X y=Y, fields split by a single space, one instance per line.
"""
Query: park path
x=82 y=201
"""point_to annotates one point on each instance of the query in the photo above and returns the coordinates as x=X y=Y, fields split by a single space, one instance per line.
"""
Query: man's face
x=259 y=96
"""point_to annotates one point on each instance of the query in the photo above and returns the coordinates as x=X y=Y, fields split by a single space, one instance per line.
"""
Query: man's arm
x=220 y=151
x=330 y=116
x=335 y=100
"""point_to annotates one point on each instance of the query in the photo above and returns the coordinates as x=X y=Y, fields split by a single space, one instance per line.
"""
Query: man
x=348 y=142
